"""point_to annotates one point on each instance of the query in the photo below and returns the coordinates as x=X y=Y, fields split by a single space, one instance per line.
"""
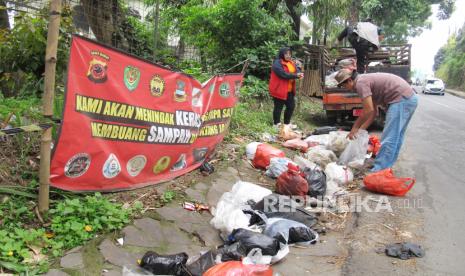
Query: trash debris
x=250 y=150
x=356 y=150
x=297 y=144
x=385 y=182
x=286 y=133
x=338 y=141
x=140 y=272
x=270 y=206
x=322 y=140
x=374 y=144
x=164 y=264
x=277 y=166
x=264 y=154
x=324 y=130
x=120 y=241
x=234 y=268
x=339 y=174
x=249 y=240
x=304 y=163
x=267 y=137
x=292 y=183
x=321 y=156
x=316 y=180
x=206 y=168
x=228 y=214
x=255 y=257
x=195 y=206
x=405 y=250
x=290 y=232
x=203 y=263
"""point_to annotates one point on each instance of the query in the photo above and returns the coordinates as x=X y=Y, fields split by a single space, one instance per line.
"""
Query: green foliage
x=22 y=53
x=168 y=196
x=25 y=110
x=26 y=246
x=234 y=30
x=251 y=119
x=254 y=88
x=450 y=61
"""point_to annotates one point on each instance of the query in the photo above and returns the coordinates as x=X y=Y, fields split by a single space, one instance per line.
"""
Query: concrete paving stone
x=118 y=256
x=232 y=170
x=201 y=186
x=113 y=272
x=73 y=260
x=209 y=235
x=195 y=195
x=136 y=237
x=304 y=265
x=173 y=235
x=178 y=214
x=56 y=272
x=74 y=250
x=329 y=248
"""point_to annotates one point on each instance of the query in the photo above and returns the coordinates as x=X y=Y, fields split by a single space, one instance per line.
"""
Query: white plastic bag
x=228 y=215
x=304 y=163
x=338 y=141
x=250 y=150
x=339 y=174
x=321 y=156
x=322 y=140
x=356 y=150
x=277 y=166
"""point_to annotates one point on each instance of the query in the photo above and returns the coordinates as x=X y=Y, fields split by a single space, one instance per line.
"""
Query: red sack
x=292 y=183
x=237 y=268
x=374 y=144
x=385 y=182
x=264 y=154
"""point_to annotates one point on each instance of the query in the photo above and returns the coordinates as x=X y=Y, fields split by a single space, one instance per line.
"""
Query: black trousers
x=278 y=108
x=362 y=47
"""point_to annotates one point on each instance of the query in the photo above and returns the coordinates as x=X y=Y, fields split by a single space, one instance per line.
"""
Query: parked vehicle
x=341 y=104
x=433 y=86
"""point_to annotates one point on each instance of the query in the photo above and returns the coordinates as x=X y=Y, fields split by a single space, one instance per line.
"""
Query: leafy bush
x=25 y=246
x=254 y=88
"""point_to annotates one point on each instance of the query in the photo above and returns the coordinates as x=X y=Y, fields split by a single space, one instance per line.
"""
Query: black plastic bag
x=249 y=240
x=324 y=130
x=165 y=264
x=203 y=263
x=300 y=234
x=405 y=250
x=231 y=252
x=316 y=180
x=206 y=168
x=291 y=210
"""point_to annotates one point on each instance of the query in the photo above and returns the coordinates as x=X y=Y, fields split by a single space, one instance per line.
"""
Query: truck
x=341 y=104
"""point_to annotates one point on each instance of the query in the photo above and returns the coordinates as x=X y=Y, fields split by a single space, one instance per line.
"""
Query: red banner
x=129 y=123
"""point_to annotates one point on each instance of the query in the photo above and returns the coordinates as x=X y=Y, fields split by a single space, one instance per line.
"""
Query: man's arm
x=367 y=117
x=343 y=34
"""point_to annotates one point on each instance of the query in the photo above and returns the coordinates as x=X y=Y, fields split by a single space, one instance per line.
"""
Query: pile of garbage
x=258 y=226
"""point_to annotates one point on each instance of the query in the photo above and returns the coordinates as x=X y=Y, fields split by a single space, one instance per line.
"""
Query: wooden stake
x=49 y=91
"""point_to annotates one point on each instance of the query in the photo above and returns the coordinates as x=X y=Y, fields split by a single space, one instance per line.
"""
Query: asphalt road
x=433 y=212
x=436 y=139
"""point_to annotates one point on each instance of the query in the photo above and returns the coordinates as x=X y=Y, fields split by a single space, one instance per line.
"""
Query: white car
x=433 y=86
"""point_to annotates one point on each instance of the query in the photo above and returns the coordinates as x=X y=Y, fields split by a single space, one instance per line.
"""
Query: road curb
x=456 y=93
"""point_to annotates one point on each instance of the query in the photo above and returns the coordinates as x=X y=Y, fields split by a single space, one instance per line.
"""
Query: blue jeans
x=397 y=118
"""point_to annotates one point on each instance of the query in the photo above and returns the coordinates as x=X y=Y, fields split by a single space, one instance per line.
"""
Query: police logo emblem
x=157 y=86
x=224 y=90
x=97 y=71
x=77 y=165
x=131 y=77
x=111 y=168
x=136 y=164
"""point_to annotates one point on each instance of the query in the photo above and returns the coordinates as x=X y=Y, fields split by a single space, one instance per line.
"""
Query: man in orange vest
x=284 y=72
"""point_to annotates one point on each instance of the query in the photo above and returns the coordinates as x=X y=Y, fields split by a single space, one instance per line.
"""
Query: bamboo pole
x=49 y=91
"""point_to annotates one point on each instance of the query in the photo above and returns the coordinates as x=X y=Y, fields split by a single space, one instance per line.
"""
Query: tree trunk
x=291 y=6
x=106 y=21
x=4 y=22
x=354 y=12
x=314 y=25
